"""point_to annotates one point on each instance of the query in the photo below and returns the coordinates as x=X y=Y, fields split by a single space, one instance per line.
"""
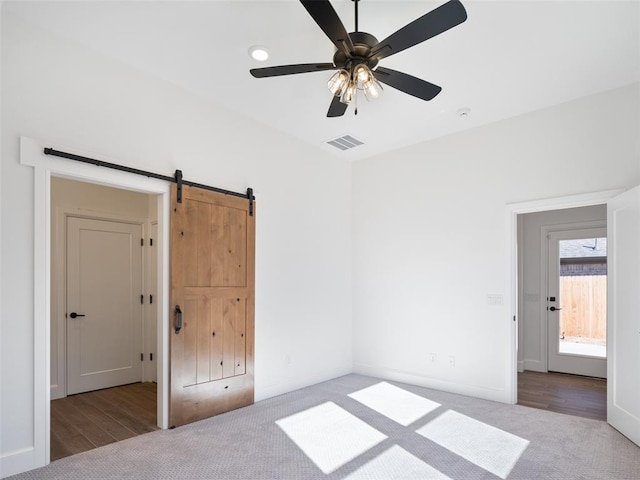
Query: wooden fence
x=584 y=306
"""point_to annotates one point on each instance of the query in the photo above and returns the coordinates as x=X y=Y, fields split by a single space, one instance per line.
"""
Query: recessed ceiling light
x=259 y=53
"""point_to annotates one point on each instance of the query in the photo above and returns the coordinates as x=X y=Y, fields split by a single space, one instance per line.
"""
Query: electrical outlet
x=433 y=358
x=452 y=361
x=287 y=359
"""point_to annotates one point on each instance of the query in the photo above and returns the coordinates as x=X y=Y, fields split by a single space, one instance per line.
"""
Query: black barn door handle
x=178 y=319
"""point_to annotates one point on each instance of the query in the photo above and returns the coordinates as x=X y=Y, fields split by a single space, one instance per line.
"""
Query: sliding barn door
x=212 y=302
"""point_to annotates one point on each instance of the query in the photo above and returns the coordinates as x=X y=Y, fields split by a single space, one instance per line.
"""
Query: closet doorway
x=103 y=320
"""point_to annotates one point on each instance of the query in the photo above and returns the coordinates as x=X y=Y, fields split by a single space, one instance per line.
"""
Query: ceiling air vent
x=345 y=142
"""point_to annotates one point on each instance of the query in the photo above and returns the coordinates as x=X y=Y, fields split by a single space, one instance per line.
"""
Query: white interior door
x=577 y=301
x=104 y=311
x=623 y=389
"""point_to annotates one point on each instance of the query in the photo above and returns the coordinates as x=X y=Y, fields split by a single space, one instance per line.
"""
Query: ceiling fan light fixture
x=362 y=74
x=372 y=88
x=349 y=93
x=338 y=82
x=357 y=53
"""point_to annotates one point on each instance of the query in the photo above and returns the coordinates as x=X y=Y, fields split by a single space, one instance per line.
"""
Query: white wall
x=430 y=235
x=85 y=199
x=532 y=354
x=60 y=92
x=82 y=196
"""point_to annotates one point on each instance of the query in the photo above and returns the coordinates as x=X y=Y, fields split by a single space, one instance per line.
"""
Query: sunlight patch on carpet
x=488 y=447
x=396 y=463
x=329 y=435
x=395 y=403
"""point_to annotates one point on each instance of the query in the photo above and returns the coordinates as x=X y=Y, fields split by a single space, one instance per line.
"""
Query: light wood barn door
x=212 y=302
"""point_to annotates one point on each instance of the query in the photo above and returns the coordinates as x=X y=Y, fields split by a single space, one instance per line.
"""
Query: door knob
x=553 y=309
x=74 y=315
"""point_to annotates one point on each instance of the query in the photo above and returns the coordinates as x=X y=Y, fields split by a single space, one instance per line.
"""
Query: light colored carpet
x=357 y=427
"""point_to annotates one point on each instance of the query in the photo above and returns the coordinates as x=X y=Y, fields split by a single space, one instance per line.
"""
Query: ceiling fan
x=358 y=53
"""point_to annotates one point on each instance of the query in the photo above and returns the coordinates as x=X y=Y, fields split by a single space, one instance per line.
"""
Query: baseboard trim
x=535 y=366
x=57 y=392
x=477 y=391
x=262 y=392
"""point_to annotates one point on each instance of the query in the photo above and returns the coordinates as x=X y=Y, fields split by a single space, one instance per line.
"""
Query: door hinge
x=142 y=242
x=151 y=242
x=141 y=299
x=142 y=357
x=151 y=357
x=150 y=298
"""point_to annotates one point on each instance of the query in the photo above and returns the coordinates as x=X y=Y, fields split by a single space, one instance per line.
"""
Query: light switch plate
x=495 y=299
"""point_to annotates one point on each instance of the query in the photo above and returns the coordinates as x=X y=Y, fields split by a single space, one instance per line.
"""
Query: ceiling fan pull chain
x=355 y=110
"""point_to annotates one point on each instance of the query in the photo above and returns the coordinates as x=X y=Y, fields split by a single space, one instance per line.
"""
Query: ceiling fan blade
x=337 y=108
x=290 y=69
x=429 y=25
x=407 y=83
x=327 y=19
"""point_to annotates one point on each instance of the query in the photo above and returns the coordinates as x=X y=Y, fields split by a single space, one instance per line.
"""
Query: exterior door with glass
x=577 y=302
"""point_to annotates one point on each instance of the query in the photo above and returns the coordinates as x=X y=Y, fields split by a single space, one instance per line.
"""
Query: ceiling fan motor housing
x=363 y=42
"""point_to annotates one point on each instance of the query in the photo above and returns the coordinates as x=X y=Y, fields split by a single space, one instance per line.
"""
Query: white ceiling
x=508 y=58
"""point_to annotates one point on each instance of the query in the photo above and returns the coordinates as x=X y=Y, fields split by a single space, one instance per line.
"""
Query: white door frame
x=149 y=367
x=513 y=210
x=45 y=166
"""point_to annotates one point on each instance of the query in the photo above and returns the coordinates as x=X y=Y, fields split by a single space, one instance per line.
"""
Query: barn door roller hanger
x=177 y=178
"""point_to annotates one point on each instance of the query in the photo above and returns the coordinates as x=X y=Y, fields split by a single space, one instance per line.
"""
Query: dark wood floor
x=93 y=419
x=562 y=393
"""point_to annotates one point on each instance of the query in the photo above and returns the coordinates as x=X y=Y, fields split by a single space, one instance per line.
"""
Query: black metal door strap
x=177 y=178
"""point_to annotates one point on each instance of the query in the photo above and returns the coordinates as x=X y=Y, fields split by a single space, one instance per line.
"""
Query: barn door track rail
x=177 y=177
